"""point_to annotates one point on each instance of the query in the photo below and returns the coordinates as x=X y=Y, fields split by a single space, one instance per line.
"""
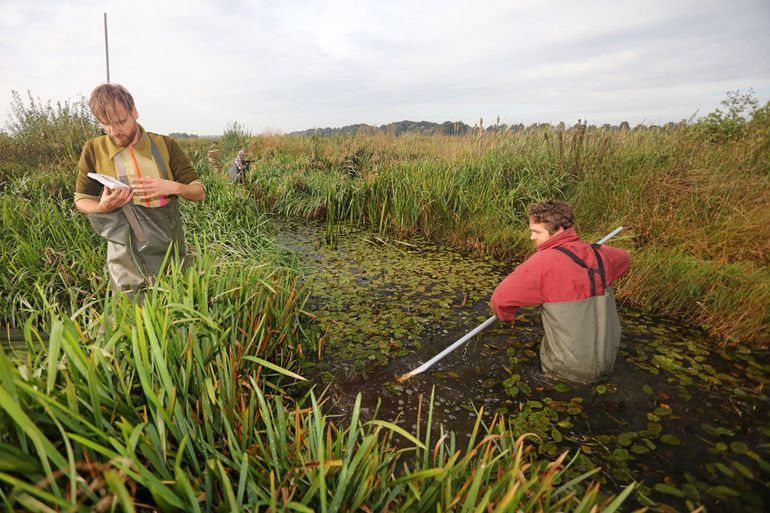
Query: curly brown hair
x=106 y=97
x=553 y=214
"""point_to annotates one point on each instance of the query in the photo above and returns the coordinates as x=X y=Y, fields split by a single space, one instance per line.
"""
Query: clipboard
x=108 y=181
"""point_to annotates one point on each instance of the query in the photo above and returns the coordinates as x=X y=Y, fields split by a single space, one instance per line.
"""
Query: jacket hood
x=564 y=237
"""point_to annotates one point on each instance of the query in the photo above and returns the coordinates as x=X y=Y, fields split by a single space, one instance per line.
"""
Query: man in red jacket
x=571 y=279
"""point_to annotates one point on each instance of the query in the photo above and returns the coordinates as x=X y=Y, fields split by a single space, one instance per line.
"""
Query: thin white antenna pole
x=106 y=48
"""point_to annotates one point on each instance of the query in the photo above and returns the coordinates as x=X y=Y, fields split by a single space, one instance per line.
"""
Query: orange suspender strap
x=136 y=165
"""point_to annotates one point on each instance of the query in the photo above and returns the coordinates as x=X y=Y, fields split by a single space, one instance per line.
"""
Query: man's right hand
x=111 y=200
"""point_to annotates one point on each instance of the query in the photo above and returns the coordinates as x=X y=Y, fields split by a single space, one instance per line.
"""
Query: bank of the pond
x=683 y=417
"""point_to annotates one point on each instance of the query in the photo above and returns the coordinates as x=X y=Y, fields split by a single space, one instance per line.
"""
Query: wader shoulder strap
x=600 y=262
x=591 y=271
x=158 y=159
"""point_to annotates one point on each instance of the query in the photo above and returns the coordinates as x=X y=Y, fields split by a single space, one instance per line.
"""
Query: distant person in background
x=239 y=165
x=572 y=280
x=140 y=222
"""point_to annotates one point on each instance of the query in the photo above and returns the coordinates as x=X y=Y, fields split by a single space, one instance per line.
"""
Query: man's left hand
x=148 y=187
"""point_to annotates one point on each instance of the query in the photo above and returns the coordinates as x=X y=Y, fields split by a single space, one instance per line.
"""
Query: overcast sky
x=196 y=66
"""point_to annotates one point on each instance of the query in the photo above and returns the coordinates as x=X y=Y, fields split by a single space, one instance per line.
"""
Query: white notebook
x=108 y=181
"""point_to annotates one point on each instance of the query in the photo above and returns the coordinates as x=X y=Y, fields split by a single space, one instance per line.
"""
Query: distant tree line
x=459 y=128
x=729 y=121
x=396 y=128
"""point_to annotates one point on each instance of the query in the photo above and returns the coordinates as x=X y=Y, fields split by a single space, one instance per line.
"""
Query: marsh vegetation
x=194 y=401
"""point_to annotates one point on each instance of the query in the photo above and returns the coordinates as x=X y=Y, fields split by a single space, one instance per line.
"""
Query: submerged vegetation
x=195 y=400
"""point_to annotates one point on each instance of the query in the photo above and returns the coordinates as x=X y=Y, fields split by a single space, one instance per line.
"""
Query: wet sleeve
x=181 y=168
x=518 y=289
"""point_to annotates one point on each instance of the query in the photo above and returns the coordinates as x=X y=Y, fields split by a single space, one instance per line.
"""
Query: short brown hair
x=553 y=214
x=104 y=99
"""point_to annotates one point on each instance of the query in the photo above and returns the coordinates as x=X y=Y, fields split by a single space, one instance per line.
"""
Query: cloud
x=195 y=66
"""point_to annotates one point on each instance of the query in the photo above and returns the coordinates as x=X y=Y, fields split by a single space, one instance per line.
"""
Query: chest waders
x=140 y=238
x=581 y=337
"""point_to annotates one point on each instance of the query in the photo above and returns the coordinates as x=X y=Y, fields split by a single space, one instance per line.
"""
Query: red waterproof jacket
x=552 y=277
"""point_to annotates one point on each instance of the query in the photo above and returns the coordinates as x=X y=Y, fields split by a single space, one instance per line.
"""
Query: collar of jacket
x=142 y=145
x=564 y=237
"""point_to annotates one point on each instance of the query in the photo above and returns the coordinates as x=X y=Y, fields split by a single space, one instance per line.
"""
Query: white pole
x=106 y=48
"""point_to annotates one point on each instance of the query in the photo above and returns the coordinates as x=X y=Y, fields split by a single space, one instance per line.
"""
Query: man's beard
x=127 y=139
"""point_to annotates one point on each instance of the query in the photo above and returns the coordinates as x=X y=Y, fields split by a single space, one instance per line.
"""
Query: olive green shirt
x=99 y=153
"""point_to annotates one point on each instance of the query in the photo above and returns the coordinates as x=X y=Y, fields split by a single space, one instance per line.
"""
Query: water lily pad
x=691 y=492
x=620 y=454
x=512 y=380
x=722 y=492
x=561 y=387
x=575 y=409
x=723 y=469
x=717 y=430
x=639 y=449
x=549 y=448
x=743 y=469
x=654 y=428
x=670 y=439
x=647 y=389
x=738 y=447
x=668 y=490
x=626 y=439
x=489 y=383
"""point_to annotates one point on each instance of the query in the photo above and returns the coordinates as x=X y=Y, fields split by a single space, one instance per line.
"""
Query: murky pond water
x=687 y=420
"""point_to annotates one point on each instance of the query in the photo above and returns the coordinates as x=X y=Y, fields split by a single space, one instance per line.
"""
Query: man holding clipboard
x=128 y=184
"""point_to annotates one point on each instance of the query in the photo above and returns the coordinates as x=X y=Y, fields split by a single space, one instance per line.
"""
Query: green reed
x=142 y=415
